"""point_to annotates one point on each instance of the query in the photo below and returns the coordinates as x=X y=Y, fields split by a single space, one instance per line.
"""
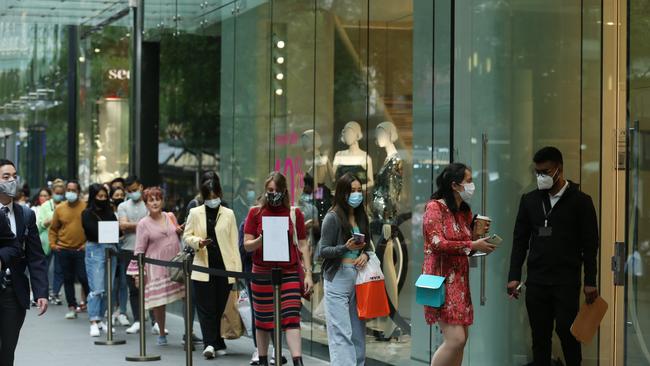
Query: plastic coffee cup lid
x=486 y=218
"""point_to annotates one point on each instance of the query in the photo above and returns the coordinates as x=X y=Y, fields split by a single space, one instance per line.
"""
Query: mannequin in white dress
x=353 y=159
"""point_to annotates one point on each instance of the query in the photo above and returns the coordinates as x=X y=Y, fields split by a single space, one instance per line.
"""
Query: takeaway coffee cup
x=481 y=225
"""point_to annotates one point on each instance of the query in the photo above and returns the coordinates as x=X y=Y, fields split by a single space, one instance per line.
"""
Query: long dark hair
x=280 y=187
x=342 y=208
x=453 y=173
x=93 y=190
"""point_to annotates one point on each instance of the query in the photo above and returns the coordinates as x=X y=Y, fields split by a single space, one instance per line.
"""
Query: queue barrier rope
x=186 y=265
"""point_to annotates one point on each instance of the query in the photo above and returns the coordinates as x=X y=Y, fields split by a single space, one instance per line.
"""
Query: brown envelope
x=586 y=324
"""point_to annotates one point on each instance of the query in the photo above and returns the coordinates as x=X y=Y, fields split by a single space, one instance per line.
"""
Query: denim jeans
x=120 y=285
x=345 y=332
x=55 y=273
x=96 y=270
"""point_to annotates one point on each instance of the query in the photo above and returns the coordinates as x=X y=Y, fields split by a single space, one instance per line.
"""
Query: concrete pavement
x=51 y=340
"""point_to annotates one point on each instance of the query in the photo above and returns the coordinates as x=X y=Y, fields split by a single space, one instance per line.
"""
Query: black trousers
x=550 y=306
x=73 y=264
x=12 y=316
x=211 y=300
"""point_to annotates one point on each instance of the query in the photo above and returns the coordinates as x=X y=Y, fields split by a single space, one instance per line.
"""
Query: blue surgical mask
x=58 y=198
x=306 y=197
x=135 y=196
x=355 y=199
x=71 y=197
x=250 y=195
x=213 y=203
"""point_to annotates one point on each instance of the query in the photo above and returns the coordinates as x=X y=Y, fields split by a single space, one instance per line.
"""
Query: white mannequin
x=102 y=175
x=353 y=155
x=318 y=165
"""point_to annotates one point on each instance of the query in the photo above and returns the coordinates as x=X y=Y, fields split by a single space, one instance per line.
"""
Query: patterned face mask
x=274 y=198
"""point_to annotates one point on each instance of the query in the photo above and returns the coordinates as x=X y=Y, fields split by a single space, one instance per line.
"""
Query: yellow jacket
x=227 y=236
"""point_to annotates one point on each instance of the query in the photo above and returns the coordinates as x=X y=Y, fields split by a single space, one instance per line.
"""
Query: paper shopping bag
x=372 y=301
x=231 y=323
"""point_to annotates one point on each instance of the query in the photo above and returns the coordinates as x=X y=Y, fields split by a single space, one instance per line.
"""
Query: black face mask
x=274 y=198
x=102 y=205
x=117 y=202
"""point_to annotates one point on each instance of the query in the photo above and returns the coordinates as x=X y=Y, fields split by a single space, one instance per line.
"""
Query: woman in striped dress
x=157 y=238
x=276 y=202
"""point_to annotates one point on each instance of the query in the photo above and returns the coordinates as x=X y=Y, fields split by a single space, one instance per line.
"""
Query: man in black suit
x=22 y=223
x=557 y=229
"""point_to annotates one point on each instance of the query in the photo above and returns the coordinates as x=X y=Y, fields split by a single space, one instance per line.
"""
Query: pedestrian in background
x=43 y=222
x=157 y=238
x=343 y=257
x=276 y=203
x=67 y=240
x=98 y=210
x=211 y=230
x=129 y=214
x=120 y=283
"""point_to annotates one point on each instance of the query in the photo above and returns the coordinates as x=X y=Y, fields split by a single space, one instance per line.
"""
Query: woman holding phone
x=211 y=230
x=344 y=250
x=448 y=241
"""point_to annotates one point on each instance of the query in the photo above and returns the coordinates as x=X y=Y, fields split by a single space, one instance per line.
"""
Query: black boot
x=264 y=361
x=297 y=361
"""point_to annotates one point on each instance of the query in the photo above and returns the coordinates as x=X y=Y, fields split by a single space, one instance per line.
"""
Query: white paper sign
x=109 y=232
x=276 y=239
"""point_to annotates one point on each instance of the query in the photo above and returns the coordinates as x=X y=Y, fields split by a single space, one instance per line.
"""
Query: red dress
x=447 y=242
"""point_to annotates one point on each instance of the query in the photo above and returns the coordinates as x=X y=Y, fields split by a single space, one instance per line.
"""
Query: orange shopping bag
x=372 y=301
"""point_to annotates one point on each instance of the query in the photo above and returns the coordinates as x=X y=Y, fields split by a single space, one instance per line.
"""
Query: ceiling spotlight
x=82 y=59
x=279 y=91
x=280 y=44
x=279 y=60
x=97 y=50
x=279 y=76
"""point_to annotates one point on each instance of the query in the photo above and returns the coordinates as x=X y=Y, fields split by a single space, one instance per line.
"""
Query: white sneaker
x=123 y=320
x=135 y=328
x=94 y=330
x=255 y=358
x=155 y=330
x=104 y=327
x=208 y=352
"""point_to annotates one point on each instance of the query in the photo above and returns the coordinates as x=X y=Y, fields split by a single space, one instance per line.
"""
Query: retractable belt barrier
x=275 y=277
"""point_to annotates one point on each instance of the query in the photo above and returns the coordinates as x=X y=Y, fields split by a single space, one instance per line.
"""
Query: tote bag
x=372 y=301
x=231 y=323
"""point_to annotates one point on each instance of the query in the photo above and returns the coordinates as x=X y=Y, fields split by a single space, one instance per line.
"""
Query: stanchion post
x=109 y=297
x=187 y=262
x=143 y=345
x=276 y=280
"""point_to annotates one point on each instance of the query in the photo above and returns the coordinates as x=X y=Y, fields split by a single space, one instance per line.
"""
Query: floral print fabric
x=447 y=243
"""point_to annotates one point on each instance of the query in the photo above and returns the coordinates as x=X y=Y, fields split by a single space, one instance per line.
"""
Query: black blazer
x=558 y=259
x=10 y=250
x=33 y=259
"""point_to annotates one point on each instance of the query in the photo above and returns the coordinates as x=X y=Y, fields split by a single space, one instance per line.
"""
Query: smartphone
x=359 y=238
x=494 y=239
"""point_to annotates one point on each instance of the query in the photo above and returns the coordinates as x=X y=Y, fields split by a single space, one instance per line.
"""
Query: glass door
x=519 y=85
x=637 y=254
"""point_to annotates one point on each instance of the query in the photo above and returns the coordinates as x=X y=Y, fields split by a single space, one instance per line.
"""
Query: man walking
x=557 y=229
x=67 y=240
x=14 y=286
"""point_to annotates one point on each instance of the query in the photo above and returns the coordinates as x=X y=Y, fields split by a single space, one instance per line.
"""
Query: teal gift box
x=430 y=290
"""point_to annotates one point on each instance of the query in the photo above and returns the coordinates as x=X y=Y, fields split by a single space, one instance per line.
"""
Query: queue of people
x=555 y=217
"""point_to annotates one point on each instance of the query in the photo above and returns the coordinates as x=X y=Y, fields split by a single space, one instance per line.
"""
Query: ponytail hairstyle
x=453 y=173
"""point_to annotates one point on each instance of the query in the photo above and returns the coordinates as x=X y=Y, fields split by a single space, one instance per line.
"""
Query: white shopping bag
x=245 y=312
x=371 y=271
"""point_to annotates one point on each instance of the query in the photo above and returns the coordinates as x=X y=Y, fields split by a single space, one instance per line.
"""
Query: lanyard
x=546 y=214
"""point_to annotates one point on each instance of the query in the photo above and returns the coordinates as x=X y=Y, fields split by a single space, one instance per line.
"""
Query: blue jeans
x=55 y=273
x=120 y=285
x=345 y=332
x=96 y=270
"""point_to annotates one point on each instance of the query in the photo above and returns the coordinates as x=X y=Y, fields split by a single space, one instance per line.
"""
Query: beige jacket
x=227 y=236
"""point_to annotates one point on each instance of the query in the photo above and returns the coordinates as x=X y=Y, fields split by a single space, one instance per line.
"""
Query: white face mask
x=468 y=193
x=545 y=182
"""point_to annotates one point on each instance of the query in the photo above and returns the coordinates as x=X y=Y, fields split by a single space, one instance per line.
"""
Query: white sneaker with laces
x=123 y=320
x=208 y=352
x=255 y=358
x=94 y=330
x=133 y=329
x=156 y=329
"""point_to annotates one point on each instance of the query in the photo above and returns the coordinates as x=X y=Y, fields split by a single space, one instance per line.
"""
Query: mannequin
x=353 y=159
x=103 y=176
x=318 y=165
x=385 y=204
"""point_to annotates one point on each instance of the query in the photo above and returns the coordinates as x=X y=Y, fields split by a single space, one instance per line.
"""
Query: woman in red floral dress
x=448 y=240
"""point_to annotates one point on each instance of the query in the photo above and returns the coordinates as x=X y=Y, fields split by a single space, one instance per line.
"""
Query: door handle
x=484 y=183
x=618 y=264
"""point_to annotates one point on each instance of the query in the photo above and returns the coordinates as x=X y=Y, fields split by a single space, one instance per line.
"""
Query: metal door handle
x=484 y=182
x=618 y=264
